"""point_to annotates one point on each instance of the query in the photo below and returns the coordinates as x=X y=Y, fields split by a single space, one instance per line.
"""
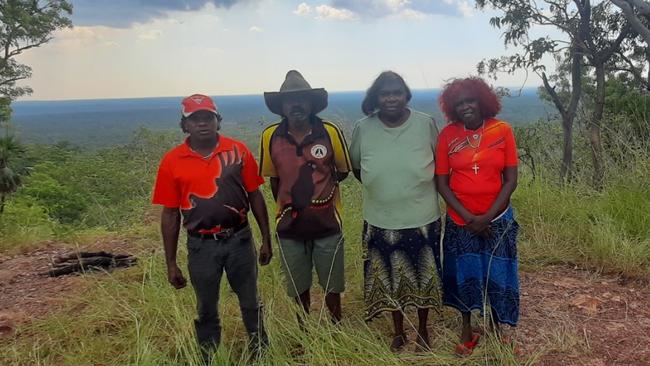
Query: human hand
x=266 y=253
x=486 y=233
x=477 y=224
x=175 y=276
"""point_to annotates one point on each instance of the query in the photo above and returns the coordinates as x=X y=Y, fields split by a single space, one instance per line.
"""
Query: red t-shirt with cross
x=211 y=191
x=474 y=161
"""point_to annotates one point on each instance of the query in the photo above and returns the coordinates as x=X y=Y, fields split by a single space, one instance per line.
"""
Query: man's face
x=202 y=125
x=391 y=98
x=296 y=107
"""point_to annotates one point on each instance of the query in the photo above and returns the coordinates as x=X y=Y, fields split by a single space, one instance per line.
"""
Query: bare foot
x=398 y=342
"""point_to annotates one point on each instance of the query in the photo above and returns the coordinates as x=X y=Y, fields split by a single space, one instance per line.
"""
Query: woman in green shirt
x=392 y=153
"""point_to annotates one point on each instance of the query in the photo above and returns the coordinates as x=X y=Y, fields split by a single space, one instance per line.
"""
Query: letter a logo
x=318 y=151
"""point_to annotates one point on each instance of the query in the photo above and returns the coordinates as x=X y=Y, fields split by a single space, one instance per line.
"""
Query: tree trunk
x=647 y=53
x=595 y=137
x=567 y=149
x=568 y=113
x=2 y=203
x=568 y=116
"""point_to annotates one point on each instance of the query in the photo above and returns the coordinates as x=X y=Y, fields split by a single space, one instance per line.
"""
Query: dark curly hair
x=475 y=87
x=370 y=102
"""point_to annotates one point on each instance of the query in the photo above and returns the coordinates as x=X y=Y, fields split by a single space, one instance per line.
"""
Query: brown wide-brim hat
x=295 y=83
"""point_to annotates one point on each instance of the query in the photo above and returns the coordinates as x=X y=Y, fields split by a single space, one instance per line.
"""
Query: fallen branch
x=80 y=262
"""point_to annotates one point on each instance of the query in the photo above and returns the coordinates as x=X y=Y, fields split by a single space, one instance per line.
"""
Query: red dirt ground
x=592 y=319
x=568 y=316
x=27 y=295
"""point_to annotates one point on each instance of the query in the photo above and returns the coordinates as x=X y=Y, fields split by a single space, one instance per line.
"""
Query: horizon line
x=221 y=95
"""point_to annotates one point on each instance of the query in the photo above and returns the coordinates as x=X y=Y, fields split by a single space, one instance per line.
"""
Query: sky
x=151 y=48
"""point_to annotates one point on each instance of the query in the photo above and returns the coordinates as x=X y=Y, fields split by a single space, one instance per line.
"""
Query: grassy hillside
x=134 y=317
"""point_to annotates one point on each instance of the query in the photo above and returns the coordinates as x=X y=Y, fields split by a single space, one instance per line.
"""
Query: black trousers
x=207 y=260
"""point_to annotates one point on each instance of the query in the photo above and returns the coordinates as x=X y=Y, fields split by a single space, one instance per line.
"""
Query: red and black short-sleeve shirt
x=212 y=191
x=307 y=180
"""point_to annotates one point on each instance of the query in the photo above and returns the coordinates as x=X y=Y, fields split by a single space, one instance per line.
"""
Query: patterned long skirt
x=481 y=273
x=400 y=268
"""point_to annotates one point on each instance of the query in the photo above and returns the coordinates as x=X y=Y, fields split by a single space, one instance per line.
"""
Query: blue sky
x=143 y=48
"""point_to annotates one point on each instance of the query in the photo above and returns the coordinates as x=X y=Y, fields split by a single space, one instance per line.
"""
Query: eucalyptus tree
x=516 y=20
x=24 y=24
x=592 y=38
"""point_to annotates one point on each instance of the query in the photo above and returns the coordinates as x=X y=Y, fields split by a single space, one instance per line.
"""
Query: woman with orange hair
x=476 y=173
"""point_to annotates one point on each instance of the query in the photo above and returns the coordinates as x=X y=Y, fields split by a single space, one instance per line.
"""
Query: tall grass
x=134 y=317
x=607 y=230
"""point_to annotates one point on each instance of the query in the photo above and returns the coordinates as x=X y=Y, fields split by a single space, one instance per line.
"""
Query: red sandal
x=466 y=348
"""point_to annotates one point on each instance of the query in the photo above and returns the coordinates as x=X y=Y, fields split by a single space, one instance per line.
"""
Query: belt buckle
x=223 y=234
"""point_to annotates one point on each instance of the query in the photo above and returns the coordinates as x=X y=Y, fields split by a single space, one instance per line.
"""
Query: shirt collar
x=224 y=144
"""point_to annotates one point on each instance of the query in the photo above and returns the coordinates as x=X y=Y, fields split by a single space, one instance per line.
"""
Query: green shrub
x=23 y=224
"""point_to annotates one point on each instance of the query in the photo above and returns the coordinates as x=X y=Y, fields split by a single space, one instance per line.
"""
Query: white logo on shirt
x=318 y=151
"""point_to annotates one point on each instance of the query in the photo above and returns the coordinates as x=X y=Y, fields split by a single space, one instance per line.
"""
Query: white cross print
x=475 y=168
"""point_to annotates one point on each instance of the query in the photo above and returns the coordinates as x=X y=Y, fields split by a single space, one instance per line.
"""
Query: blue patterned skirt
x=399 y=268
x=479 y=272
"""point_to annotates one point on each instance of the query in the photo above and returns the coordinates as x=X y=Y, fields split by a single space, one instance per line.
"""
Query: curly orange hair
x=474 y=87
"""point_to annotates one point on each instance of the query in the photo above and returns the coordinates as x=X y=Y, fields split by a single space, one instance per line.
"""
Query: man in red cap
x=211 y=181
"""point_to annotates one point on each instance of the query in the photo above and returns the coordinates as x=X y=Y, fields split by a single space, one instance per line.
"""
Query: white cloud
x=329 y=12
x=302 y=9
x=412 y=14
x=466 y=9
x=397 y=5
x=405 y=9
x=150 y=35
x=80 y=36
x=255 y=29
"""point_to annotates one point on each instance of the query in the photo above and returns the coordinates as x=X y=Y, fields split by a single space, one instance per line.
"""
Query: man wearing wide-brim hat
x=306 y=158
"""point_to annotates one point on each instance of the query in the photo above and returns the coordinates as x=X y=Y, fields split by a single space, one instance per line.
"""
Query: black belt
x=221 y=235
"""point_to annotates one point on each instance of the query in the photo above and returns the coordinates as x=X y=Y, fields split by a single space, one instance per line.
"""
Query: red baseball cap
x=198 y=102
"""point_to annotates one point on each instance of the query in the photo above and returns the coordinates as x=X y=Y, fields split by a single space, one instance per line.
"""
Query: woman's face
x=391 y=98
x=468 y=108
